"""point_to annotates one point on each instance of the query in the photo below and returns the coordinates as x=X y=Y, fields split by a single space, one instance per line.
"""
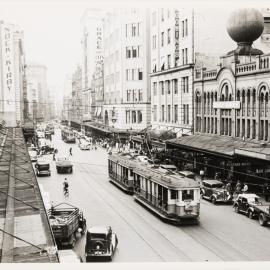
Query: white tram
x=173 y=197
x=121 y=171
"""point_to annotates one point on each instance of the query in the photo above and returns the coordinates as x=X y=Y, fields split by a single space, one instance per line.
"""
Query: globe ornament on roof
x=245 y=26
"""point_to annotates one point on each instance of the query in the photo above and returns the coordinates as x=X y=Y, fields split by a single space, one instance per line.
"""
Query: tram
x=121 y=171
x=68 y=135
x=171 y=196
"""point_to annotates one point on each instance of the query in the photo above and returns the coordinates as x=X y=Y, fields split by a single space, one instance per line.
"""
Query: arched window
x=254 y=102
x=238 y=95
x=262 y=104
x=266 y=103
x=243 y=103
x=248 y=102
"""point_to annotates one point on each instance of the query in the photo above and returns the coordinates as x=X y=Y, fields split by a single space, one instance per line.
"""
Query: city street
x=222 y=235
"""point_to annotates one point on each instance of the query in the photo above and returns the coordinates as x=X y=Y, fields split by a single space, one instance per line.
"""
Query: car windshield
x=98 y=235
x=217 y=185
x=253 y=200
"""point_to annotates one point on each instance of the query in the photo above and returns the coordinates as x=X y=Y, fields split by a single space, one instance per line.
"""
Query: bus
x=170 y=196
x=68 y=135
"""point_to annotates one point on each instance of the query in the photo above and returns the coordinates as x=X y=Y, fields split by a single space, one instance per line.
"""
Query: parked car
x=42 y=167
x=245 y=203
x=215 y=191
x=33 y=155
x=101 y=242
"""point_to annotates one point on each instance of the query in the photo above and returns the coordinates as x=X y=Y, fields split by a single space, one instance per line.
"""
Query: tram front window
x=187 y=195
x=174 y=194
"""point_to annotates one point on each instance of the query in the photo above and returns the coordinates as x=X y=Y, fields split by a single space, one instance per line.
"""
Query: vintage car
x=84 y=145
x=214 y=191
x=68 y=256
x=47 y=149
x=42 y=167
x=101 y=242
x=246 y=204
x=33 y=153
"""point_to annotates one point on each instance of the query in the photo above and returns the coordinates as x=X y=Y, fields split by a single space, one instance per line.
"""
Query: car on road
x=215 y=191
x=245 y=203
x=33 y=154
x=101 y=242
x=42 y=167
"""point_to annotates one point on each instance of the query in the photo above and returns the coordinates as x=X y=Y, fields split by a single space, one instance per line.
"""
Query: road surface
x=222 y=235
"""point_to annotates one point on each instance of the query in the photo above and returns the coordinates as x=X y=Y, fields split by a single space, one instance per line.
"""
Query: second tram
x=172 y=197
x=68 y=135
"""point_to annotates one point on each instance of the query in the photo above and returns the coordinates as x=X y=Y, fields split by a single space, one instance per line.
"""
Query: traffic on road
x=152 y=227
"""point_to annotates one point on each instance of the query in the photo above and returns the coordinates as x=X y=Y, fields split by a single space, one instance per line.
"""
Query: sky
x=52 y=31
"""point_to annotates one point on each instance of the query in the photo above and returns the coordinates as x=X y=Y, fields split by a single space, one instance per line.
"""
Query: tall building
x=76 y=94
x=92 y=54
x=172 y=61
x=12 y=63
x=126 y=69
x=37 y=77
x=231 y=110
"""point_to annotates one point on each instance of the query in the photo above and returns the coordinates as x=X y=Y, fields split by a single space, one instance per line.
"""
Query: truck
x=66 y=220
x=63 y=165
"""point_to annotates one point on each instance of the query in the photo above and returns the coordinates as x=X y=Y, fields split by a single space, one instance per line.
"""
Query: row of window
x=133 y=51
x=133 y=29
x=171 y=86
x=134 y=74
x=135 y=95
x=169 y=113
x=134 y=117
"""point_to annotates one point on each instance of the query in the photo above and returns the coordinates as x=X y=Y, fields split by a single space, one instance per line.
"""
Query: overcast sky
x=52 y=31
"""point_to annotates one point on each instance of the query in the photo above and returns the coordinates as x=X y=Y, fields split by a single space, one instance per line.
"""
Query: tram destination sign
x=226 y=105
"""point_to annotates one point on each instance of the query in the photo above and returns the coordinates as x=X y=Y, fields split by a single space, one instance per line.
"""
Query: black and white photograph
x=134 y=133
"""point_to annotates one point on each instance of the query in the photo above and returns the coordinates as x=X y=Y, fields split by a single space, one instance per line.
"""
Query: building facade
x=172 y=60
x=126 y=69
x=37 y=80
x=92 y=55
x=12 y=75
x=76 y=94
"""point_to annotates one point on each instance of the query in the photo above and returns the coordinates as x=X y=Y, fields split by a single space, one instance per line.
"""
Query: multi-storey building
x=231 y=110
x=12 y=63
x=92 y=48
x=37 y=75
x=126 y=69
x=172 y=60
x=32 y=98
x=76 y=93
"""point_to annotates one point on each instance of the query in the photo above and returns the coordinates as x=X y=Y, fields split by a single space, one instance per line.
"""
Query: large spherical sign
x=245 y=25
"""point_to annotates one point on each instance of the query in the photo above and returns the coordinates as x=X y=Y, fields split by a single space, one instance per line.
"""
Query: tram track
x=179 y=252
x=223 y=250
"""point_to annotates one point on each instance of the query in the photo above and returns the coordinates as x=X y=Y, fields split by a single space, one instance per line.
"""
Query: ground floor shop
x=220 y=157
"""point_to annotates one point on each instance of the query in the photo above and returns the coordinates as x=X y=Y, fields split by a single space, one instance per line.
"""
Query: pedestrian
x=245 y=189
x=54 y=156
x=238 y=187
x=70 y=151
x=266 y=191
x=229 y=187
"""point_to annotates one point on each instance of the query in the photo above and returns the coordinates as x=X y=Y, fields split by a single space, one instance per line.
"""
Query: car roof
x=165 y=166
x=99 y=229
x=250 y=195
x=43 y=161
x=186 y=172
x=212 y=181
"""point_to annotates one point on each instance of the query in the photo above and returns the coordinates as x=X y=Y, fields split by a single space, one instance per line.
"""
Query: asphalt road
x=222 y=235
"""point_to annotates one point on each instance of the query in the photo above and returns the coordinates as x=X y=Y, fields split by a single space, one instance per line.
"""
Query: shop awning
x=213 y=144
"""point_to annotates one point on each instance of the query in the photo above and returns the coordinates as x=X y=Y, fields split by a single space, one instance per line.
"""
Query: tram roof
x=157 y=174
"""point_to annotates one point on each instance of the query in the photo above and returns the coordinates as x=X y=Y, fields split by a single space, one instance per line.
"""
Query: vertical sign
x=9 y=90
x=176 y=37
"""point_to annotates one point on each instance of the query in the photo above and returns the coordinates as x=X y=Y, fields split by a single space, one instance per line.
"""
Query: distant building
x=37 y=77
x=76 y=94
x=126 y=69
x=12 y=77
x=92 y=48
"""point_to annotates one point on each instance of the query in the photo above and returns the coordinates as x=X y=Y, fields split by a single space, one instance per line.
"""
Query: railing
x=210 y=74
x=246 y=68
